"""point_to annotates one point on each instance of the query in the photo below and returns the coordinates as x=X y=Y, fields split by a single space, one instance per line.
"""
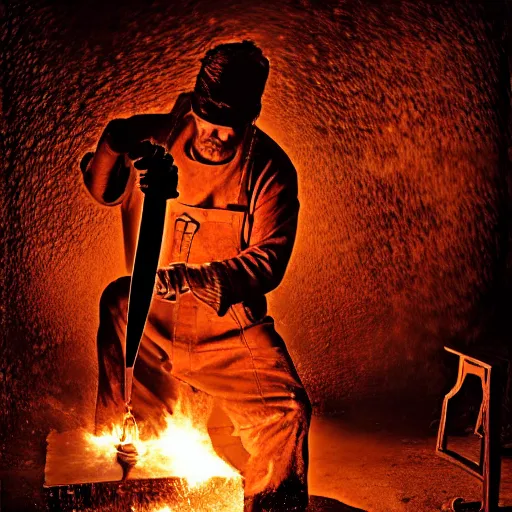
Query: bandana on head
x=230 y=84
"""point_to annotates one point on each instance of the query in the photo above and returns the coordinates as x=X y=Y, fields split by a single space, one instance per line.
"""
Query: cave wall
x=394 y=114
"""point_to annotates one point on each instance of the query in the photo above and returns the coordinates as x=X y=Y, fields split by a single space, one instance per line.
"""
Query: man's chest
x=208 y=189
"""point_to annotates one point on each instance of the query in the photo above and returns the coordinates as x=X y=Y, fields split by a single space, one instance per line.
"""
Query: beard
x=213 y=149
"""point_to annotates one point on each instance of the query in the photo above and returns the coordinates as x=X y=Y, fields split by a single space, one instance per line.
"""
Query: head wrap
x=230 y=84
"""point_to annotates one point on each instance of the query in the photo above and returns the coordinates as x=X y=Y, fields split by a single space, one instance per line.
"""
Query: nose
x=220 y=134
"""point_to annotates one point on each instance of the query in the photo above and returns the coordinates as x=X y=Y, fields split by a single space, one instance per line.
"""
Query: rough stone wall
x=393 y=113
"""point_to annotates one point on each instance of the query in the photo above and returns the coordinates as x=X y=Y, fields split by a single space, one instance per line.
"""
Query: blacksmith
x=227 y=241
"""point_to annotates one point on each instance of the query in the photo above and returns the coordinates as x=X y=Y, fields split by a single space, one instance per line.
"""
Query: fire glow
x=183 y=449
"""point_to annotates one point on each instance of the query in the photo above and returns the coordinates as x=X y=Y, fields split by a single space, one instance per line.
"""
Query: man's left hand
x=171 y=281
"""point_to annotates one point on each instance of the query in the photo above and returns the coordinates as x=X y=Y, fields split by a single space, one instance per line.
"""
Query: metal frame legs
x=488 y=469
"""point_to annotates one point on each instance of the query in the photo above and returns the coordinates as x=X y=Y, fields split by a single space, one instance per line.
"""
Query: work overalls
x=239 y=360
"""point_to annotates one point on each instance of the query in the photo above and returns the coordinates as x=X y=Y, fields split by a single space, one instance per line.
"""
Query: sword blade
x=143 y=280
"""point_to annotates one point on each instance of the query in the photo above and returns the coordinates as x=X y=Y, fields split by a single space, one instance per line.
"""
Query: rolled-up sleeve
x=260 y=267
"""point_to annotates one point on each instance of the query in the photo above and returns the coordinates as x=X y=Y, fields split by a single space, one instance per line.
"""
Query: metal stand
x=488 y=470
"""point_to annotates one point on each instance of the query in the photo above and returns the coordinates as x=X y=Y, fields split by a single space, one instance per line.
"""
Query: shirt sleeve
x=106 y=175
x=260 y=267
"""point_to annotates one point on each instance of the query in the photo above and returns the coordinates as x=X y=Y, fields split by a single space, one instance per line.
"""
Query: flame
x=183 y=449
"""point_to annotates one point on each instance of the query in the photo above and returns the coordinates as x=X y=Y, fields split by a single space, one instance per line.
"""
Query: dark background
x=395 y=115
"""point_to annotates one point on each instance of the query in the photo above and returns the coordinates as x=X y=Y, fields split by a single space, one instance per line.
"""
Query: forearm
x=254 y=272
x=106 y=176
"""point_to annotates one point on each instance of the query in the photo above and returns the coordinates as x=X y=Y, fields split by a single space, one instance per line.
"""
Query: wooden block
x=152 y=495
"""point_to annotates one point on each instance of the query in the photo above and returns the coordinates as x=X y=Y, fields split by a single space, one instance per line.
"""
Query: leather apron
x=197 y=235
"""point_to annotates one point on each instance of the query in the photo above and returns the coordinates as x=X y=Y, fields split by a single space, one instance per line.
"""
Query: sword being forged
x=141 y=288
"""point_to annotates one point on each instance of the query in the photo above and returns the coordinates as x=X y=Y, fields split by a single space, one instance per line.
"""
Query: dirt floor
x=368 y=466
x=380 y=468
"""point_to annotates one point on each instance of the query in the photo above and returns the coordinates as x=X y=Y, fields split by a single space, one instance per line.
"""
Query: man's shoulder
x=272 y=172
x=269 y=152
x=159 y=125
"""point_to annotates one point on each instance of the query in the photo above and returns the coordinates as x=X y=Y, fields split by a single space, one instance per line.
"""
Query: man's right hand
x=159 y=175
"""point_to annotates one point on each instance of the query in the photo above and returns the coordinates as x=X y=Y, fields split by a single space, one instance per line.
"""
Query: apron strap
x=181 y=107
x=248 y=163
x=244 y=195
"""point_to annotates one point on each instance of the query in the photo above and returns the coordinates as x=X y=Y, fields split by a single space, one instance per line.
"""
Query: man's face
x=214 y=142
